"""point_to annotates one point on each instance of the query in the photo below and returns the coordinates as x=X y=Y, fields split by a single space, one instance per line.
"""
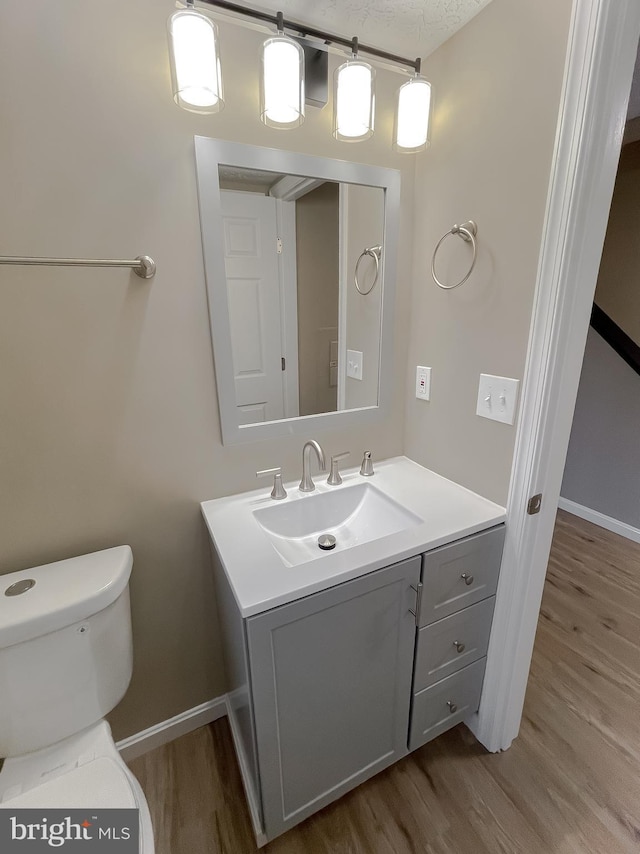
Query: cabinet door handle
x=460 y=647
x=418 y=592
x=468 y=579
x=452 y=707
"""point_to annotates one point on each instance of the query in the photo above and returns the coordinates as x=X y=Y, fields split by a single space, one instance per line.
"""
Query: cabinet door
x=331 y=678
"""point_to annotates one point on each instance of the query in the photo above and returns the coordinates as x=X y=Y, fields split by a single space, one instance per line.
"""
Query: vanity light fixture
x=195 y=61
x=282 y=81
x=354 y=99
x=288 y=69
x=413 y=112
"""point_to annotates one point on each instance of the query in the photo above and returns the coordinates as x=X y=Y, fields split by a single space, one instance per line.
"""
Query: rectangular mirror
x=300 y=257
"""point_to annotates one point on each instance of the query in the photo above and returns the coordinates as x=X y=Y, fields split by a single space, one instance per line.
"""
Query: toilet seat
x=82 y=772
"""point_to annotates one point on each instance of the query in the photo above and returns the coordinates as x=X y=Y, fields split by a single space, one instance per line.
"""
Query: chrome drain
x=326 y=542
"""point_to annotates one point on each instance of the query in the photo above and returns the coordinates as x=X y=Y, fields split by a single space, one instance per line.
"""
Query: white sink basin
x=352 y=514
x=268 y=550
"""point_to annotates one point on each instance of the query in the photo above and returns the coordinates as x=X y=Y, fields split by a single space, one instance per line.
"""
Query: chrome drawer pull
x=452 y=707
x=460 y=647
x=468 y=579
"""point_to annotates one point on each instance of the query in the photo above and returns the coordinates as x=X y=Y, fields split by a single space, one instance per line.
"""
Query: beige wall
x=497 y=86
x=618 y=290
x=110 y=431
x=318 y=296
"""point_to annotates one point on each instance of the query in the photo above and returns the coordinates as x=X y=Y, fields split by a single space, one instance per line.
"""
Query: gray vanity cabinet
x=331 y=686
x=329 y=689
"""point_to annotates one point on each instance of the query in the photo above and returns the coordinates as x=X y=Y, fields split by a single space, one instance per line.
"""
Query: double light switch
x=497 y=398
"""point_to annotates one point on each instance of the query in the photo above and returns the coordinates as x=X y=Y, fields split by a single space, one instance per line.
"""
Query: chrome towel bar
x=142 y=266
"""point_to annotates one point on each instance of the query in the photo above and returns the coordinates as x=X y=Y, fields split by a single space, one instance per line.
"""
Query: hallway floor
x=570 y=784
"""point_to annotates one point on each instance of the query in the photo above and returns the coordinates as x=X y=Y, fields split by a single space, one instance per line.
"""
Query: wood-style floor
x=570 y=784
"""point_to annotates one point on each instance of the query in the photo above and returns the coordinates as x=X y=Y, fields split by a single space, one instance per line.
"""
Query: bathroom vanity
x=339 y=663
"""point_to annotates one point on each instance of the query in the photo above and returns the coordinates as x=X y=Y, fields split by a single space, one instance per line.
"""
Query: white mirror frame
x=210 y=153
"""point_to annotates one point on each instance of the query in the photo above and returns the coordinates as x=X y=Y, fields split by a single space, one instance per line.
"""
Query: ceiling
x=239 y=176
x=409 y=28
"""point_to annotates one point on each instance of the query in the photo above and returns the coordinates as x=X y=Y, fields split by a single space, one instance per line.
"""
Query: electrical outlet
x=497 y=397
x=354 y=364
x=423 y=382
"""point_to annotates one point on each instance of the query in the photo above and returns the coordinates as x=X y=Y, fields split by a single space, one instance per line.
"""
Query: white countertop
x=259 y=578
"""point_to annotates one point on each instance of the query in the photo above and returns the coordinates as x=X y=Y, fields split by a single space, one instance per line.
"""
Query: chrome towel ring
x=374 y=252
x=467 y=231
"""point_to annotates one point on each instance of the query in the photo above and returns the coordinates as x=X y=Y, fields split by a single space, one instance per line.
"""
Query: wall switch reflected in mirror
x=354 y=364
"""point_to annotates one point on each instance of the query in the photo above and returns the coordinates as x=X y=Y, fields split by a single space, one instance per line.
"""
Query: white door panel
x=251 y=262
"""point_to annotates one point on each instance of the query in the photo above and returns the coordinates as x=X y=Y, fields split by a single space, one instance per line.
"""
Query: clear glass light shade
x=195 y=62
x=282 y=83
x=413 y=113
x=354 y=101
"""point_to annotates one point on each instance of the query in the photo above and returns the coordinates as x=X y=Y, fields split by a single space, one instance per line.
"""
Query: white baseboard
x=600 y=519
x=167 y=731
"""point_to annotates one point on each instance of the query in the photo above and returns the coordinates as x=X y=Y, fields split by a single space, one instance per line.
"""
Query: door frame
x=601 y=55
x=343 y=218
x=287 y=269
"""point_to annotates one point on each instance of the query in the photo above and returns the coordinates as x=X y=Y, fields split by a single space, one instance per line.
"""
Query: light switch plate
x=423 y=382
x=497 y=398
x=354 y=364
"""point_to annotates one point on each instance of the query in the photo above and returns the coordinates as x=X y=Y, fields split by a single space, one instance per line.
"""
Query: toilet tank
x=66 y=650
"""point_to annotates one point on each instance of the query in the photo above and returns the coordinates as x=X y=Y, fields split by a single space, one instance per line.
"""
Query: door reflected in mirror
x=304 y=339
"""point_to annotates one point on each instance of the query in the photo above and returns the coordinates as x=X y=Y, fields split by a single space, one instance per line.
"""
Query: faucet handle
x=366 y=469
x=278 y=490
x=334 y=478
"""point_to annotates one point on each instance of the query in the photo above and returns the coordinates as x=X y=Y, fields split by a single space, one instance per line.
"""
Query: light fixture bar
x=304 y=30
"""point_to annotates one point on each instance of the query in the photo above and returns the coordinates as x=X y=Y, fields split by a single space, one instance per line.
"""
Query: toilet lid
x=98 y=784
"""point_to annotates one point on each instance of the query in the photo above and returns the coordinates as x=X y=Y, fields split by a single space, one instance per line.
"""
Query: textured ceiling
x=238 y=176
x=407 y=27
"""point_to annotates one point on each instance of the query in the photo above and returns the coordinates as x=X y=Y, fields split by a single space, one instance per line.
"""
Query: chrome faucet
x=307 y=484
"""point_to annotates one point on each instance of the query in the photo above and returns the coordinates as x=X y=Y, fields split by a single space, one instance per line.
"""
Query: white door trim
x=343 y=219
x=602 y=48
x=288 y=270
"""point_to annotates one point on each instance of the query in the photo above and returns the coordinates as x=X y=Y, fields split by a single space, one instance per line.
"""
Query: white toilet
x=65 y=662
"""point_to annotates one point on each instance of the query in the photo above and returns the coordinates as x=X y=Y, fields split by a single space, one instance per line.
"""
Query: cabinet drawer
x=453 y=643
x=445 y=704
x=458 y=575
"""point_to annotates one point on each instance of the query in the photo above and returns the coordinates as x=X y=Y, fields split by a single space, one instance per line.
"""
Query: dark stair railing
x=624 y=346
